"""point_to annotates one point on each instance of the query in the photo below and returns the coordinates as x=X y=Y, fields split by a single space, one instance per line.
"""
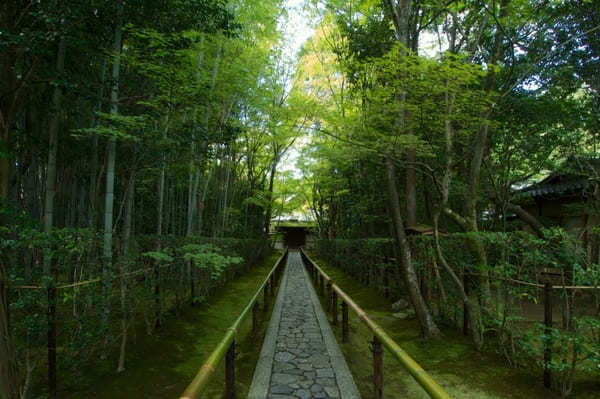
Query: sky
x=297 y=27
x=297 y=30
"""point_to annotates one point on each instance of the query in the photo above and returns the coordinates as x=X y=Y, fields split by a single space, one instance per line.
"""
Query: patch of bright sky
x=429 y=44
x=297 y=28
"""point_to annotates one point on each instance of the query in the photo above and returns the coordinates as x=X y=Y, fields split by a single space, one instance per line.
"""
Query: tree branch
x=527 y=217
x=463 y=222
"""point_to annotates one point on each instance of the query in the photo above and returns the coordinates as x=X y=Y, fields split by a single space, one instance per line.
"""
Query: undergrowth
x=163 y=364
x=452 y=360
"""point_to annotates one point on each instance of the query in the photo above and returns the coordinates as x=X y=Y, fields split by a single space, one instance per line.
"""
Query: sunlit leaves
x=122 y=127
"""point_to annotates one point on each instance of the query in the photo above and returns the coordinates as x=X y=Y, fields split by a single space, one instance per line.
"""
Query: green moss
x=452 y=361
x=162 y=365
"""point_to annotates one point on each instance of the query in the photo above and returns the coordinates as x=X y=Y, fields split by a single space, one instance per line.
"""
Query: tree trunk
x=52 y=151
x=528 y=218
x=4 y=171
x=191 y=206
x=479 y=148
x=110 y=175
x=9 y=382
x=213 y=84
x=94 y=167
x=225 y=195
x=192 y=190
x=8 y=364
x=428 y=326
x=401 y=13
x=161 y=183
x=49 y=270
x=194 y=175
x=270 y=195
x=201 y=198
x=411 y=189
x=124 y=269
x=468 y=303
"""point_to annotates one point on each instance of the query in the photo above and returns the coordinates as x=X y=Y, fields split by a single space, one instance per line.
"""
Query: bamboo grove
x=129 y=129
x=141 y=151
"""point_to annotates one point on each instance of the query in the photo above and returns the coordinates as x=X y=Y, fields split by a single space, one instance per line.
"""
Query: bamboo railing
x=226 y=347
x=380 y=337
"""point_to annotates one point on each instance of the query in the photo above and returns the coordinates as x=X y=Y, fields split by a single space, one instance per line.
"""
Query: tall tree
x=109 y=197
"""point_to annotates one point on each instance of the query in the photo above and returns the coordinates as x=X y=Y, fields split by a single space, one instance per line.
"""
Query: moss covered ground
x=452 y=361
x=163 y=364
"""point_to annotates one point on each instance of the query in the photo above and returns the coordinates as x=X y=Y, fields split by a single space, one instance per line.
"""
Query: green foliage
x=208 y=108
x=159 y=256
x=79 y=307
x=514 y=265
x=122 y=127
x=575 y=350
x=207 y=256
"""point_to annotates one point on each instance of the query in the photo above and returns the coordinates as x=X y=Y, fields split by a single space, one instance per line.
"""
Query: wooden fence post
x=255 y=309
x=321 y=285
x=266 y=297
x=344 y=321
x=329 y=296
x=386 y=283
x=334 y=307
x=466 y=314
x=547 y=332
x=230 y=372
x=51 y=346
x=377 y=350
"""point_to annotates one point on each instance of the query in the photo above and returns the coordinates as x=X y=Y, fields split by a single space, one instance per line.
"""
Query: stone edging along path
x=300 y=357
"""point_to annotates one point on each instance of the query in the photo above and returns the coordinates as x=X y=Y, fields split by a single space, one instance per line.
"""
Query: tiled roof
x=556 y=186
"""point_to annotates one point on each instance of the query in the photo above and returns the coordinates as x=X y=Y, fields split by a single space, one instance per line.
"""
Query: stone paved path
x=300 y=358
